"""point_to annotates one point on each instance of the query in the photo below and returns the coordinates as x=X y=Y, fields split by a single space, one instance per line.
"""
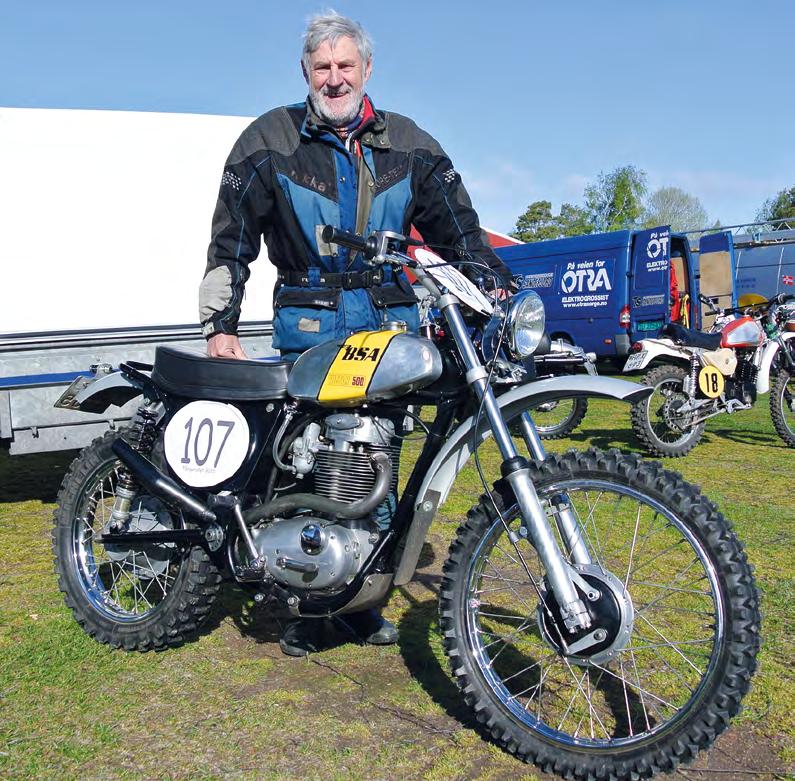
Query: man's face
x=336 y=79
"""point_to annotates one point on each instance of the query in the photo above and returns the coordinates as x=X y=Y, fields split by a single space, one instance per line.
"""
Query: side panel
x=459 y=447
x=765 y=264
x=716 y=273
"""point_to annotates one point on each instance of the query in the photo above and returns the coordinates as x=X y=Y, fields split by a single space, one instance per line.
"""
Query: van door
x=716 y=272
x=651 y=282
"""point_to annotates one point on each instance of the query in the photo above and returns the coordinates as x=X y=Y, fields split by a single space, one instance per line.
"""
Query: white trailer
x=105 y=221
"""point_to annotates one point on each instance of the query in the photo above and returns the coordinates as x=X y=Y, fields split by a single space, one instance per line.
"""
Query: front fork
x=515 y=470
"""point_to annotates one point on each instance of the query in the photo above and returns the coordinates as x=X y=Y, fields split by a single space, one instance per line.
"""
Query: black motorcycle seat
x=689 y=337
x=191 y=373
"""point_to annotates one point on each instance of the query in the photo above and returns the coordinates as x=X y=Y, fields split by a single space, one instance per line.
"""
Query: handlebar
x=780 y=299
x=368 y=247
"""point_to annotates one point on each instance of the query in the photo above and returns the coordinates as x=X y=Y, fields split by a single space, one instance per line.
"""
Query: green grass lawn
x=230 y=705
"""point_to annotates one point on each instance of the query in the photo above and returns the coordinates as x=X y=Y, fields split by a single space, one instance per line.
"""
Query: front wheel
x=673 y=600
x=657 y=421
x=145 y=598
x=782 y=406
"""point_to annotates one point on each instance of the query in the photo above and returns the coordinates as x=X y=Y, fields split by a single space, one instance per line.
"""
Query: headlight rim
x=516 y=305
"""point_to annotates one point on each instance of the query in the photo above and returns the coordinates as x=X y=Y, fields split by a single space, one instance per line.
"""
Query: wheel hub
x=611 y=619
x=673 y=418
x=148 y=561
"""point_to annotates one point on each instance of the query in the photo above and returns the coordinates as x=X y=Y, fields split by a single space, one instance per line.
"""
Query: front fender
x=98 y=394
x=768 y=354
x=460 y=445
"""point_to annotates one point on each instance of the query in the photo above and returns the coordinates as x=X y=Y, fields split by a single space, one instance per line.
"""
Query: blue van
x=605 y=291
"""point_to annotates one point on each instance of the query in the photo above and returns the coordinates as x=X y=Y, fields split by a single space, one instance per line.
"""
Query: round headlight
x=526 y=321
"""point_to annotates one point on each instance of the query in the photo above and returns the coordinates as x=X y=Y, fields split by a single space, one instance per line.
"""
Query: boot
x=370 y=627
x=301 y=637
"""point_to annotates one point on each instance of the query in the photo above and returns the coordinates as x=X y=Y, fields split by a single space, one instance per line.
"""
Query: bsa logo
x=361 y=353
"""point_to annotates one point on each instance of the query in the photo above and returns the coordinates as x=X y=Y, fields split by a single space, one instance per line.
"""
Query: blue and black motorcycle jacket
x=289 y=175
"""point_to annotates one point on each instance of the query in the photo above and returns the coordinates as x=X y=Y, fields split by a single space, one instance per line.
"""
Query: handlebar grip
x=332 y=235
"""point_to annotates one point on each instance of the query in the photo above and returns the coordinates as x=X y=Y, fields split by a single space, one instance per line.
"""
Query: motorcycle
x=698 y=375
x=556 y=419
x=599 y=614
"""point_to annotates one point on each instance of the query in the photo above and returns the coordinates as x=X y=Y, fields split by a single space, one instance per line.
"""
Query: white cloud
x=731 y=197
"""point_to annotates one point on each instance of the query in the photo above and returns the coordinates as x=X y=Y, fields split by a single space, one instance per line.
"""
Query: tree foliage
x=538 y=223
x=615 y=200
x=674 y=207
x=780 y=207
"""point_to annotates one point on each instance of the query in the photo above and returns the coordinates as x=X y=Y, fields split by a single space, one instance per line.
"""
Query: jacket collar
x=374 y=134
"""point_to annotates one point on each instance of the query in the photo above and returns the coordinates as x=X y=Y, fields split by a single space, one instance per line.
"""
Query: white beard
x=342 y=114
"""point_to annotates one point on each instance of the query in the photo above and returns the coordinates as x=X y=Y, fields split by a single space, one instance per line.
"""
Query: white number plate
x=635 y=361
x=451 y=278
x=206 y=442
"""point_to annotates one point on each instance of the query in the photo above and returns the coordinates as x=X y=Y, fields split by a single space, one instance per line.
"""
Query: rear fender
x=655 y=348
x=459 y=447
x=98 y=394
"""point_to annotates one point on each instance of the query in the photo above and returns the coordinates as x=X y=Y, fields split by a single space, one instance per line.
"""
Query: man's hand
x=225 y=346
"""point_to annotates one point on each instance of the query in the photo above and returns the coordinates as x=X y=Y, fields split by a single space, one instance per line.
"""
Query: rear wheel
x=656 y=420
x=676 y=605
x=145 y=598
x=782 y=406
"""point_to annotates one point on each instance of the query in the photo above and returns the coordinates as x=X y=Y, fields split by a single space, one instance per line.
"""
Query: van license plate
x=635 y=361
x=650 y=325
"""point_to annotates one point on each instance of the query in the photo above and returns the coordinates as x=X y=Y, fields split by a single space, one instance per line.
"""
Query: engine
x=333 y=458
x=742 y=384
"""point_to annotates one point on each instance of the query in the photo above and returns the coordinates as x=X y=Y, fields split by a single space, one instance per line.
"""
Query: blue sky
x=531 y=100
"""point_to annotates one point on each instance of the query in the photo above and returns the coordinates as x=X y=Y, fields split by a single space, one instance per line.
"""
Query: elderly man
x=334 y=159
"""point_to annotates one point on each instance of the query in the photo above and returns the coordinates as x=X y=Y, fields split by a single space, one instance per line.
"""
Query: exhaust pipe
x=320 y=504
x=160 y=485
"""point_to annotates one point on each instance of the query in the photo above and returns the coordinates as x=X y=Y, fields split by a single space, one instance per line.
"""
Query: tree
x=539 y=224
x=674 y=207
x=574 y=221
x=780 y=207
x=615 y=200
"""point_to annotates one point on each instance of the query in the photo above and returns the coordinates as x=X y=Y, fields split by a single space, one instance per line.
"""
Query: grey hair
x=330 y=26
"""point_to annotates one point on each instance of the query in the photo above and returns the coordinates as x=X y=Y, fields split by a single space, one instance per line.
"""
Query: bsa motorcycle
x=696 y=376
x=598 y=612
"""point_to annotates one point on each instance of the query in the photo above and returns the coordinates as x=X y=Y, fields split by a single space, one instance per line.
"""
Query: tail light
x=636 y=347
x=624 y=318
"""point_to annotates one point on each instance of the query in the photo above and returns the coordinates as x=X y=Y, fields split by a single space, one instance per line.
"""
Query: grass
x=229 y=705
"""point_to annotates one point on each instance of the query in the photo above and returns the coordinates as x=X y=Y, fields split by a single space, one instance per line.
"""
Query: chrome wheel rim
x=553 y=415
x=676 y=637
x=125 y=586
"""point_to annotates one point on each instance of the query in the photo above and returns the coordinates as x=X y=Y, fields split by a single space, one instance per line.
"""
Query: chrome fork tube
x=534 y=518
x=567 y=523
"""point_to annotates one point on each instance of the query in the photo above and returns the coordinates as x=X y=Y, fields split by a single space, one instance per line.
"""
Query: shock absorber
x=141 y=438
x=691 y=391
